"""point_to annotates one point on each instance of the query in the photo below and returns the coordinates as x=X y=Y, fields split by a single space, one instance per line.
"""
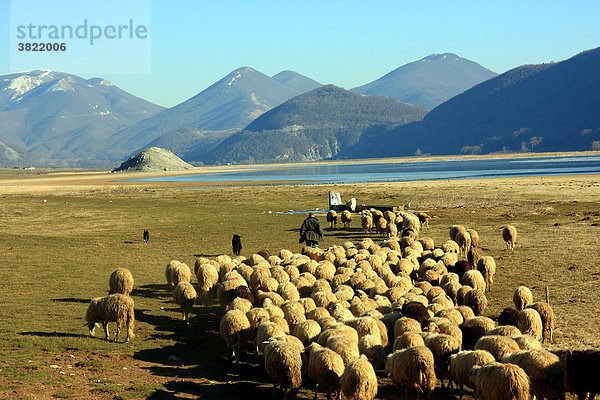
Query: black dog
x=146 y=235
x=236 y=244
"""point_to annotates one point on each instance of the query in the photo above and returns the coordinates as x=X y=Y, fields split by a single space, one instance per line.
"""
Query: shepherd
x=311 y=231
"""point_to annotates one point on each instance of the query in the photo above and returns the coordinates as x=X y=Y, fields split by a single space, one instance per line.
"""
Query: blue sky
x=194 y=43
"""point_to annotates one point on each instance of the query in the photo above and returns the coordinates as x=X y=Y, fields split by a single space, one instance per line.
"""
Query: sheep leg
x=460 y=392
x=106 y=334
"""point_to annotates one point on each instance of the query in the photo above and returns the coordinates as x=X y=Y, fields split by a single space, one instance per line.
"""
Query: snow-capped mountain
x=429 y=81
x=51 y=116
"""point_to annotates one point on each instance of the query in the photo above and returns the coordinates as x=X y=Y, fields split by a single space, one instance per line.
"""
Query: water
x=397 y=172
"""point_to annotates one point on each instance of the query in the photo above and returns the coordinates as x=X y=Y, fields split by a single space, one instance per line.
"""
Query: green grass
x=58 y=254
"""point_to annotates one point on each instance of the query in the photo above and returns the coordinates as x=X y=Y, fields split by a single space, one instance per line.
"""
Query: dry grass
x=58 y=253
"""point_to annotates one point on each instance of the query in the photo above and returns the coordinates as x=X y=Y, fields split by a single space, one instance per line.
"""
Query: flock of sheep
x=334 y=319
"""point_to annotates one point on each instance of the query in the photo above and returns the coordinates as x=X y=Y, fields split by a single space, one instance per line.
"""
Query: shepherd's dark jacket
x=311 y=230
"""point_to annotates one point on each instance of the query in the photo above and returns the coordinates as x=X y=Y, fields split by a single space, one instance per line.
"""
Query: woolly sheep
x=473 y=256
x=476 y=299
x=504 y=330
x=415 y=310
x=208 y=280
x=474 y=237
x=367 y=223
x=544 y=371
x=497 y=345
x=117 y=308
x=474 y=328
x=184 y=295
x=325 y=368
x=408 y=339
x=180 y=273
x=453 y=315
x=239 y=303
x=332 y=218
x=358 y=381
x=454 y=229
x=234 y=329
x=170 y=270
x=345 y=346
x=509 y=316
x=427 y=243
x=487 y=266
x=442 y=346
x=509 y=235
x=307 y=331
x=530 y=323
x=364 y=326
x=308 y=304
x=413 y=367
x=346 y=218
x=463 y=239
x=547 y=316
x=381 y=225
x=411 y=221
x=527 y=342
x=496 y=381
x=371 y=346
x=461 y=364
x=474 y=279
x=450 y=246
x=120 y=281
x=283 y=362
x=256 y=316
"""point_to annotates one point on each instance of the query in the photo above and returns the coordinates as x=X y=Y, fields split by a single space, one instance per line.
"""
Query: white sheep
x=112 y=308
x=358 y=381
x=185 y=296
x=120 y=281
x=283 y=362
x=234 y=330
x=208 y=280
x=325 y=367
x=522 y=297
x=544 y=371
x=461 y=364
x=496 y=381
x=487 y=266
x=412 y=367
x=530 y=323
x=509 y=235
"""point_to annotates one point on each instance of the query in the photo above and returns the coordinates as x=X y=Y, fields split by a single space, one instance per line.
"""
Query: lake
x=337 y=173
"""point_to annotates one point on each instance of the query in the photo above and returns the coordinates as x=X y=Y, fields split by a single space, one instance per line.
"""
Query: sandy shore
x=68 y=181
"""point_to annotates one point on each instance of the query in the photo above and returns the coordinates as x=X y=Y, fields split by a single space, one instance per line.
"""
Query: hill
x=154 y=159
x=430 y=81
x=296 y=81
x=548 y=107
x=227 y=105
x=320 y=124
x=49 y=117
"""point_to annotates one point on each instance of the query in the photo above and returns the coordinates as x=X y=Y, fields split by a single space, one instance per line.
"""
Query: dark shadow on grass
x=52 y=334
x=72 y=300
x=207 y=255
x=152 y=291
x=127 y=242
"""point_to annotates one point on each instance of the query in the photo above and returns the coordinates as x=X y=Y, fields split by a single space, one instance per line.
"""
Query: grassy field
x=59 y=247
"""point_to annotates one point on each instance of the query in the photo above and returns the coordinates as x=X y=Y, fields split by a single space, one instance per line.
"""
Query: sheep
x=391 y=230
x=178 y=273
x=332 y=218
x=453 y=315
x=371 y=346
x=504 y=330
x=358 y=381
x=487 y=266
x=117 y=308
x=264 y=332
x=461 y=364
x=497 y=345
x=527 y=342
x=185 y=296
x=476 y=300
x=547 y=316
x=427 y=243
x=474 y=237
x=346 y=218
x=234 y=329
x=580 y=372
x=423 y=218
x=170 y=270
x=460 y=267
x=283 y=363
x=442 y=346
x=450 y=246
x=474 y=279
x=307 y=331
x=412 y=367
x=509 y=316
x=239 y=303
x=208 y=280
x=411 y=221
x=415 y=310
x=367 y=223
x=463 y=239
x=381 y=225
x=325 y=367
x=408 y=339
x=496 y=381
x=256 y=316
x=473 y=256
x=120 y=281
x=509 y=234
x=345 y=346
x=544 y=371
x=364 y=326
x=530 y=323
x=454 y=229
x=474 y=328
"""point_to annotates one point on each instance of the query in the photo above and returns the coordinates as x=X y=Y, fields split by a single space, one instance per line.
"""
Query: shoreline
x=73 y=181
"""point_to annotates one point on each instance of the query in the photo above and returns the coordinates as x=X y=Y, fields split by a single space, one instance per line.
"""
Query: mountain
x=49 y=116
x=542 y=108
x=153 y=159
x=296 y=81
x=227 y=105
x=430 y=81
x=320 y=124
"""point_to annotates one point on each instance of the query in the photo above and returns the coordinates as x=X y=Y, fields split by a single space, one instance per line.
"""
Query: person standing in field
x=311 y=231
